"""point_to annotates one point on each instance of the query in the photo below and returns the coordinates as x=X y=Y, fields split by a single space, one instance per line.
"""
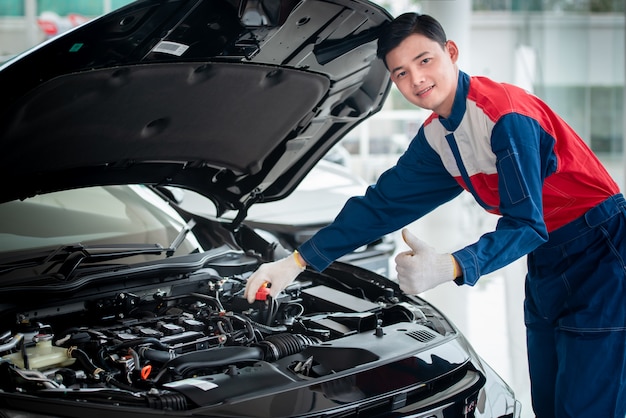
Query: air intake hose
x=282 y=345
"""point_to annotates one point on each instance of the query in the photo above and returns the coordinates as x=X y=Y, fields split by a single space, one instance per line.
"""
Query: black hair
x=405 y=25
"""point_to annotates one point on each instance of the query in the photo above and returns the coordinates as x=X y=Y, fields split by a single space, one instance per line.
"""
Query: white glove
x=279 y=273
x=422 y=268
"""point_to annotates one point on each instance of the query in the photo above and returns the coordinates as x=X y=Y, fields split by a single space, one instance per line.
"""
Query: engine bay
x=170 y=332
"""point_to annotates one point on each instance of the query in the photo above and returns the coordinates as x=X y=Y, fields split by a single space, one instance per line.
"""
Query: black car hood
x=235 y=100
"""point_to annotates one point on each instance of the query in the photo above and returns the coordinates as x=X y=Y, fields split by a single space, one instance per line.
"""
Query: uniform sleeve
x=524 y=157
x=416 y=185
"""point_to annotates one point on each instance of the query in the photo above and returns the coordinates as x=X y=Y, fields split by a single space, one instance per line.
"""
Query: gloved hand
x=279 y=273
x=422 y=268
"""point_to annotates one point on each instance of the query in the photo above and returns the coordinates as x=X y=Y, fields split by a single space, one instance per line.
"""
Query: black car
x=114 y=300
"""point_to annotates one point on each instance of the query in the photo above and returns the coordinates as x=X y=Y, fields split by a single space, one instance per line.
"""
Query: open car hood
x=234 y=99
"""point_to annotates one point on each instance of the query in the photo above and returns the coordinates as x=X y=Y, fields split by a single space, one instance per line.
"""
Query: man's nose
x=417 y=77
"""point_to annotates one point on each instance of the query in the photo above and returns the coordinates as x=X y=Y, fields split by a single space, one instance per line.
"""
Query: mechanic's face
x=425 y=73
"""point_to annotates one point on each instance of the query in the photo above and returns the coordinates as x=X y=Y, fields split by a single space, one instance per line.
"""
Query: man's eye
x=426 y=60
x=400 y=74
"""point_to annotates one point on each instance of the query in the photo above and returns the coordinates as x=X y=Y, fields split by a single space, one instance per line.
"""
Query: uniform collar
x=458 y=107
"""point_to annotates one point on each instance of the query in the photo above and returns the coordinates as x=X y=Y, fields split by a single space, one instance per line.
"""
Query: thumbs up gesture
x=422 y=268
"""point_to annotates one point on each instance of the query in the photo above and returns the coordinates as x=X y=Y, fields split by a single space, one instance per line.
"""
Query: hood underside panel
x=235 y=99
x=115 y=118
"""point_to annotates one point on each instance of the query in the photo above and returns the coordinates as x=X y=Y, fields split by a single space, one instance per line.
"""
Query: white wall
x=570 y=49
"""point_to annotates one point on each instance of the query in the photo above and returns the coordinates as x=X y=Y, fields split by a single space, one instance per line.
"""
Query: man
x=556 y=202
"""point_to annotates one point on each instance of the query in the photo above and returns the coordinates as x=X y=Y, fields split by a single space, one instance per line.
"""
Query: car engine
x=142 y=346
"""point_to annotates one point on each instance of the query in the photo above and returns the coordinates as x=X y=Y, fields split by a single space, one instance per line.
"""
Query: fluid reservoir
x=42 y=355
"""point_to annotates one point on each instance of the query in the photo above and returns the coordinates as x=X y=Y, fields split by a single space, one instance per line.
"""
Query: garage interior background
x=568 y=52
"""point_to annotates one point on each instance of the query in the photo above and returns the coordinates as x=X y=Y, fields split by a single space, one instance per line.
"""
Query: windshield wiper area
x=71 y=256
x=79 y=254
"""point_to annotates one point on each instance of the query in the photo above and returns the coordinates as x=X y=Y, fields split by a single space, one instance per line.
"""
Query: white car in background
x=312 y=205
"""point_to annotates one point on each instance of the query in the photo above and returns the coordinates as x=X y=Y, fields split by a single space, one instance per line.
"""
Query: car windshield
x=94 y=215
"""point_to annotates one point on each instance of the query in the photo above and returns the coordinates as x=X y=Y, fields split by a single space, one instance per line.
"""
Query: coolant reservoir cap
x=42 y=337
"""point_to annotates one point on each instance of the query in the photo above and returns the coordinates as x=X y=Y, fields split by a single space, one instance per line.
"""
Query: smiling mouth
x=426 y=90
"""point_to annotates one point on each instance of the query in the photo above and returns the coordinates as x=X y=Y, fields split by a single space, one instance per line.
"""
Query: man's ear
x=452 y=50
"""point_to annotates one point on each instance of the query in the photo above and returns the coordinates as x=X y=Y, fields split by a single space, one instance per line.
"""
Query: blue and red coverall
x=557 y=204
